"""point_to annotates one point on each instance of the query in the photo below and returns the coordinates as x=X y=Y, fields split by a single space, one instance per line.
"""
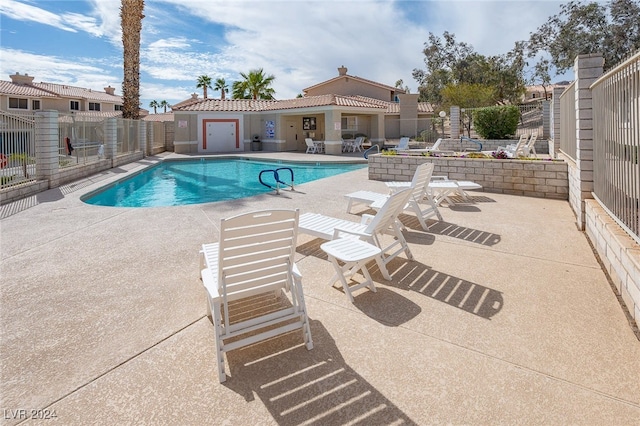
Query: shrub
x=501 y=155
x=497 y=122
x=474 y=155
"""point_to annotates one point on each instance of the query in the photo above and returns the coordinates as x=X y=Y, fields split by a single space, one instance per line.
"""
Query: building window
x=35 y=104
x=117 y=108
x=94 y=106
x=18 y=103
x=74 y=106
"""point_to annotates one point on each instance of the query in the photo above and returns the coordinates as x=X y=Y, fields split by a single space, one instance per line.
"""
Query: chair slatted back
x=389 y=212
x=256 y=253
x=420 y=181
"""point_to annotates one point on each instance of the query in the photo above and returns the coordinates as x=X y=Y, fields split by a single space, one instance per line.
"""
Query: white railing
x=17 y=148
x=616 y=123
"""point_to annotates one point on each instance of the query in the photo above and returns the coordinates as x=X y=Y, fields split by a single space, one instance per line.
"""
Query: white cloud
x=300 y=42
x=27 y=12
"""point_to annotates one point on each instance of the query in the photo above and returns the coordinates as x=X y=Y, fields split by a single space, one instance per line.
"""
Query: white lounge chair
x=432 y=148
x=370 y=229
x=515 y=150
x=440 y=188
x=402 y=145
x=530 y=147
x=419 y=185
x=255 y=256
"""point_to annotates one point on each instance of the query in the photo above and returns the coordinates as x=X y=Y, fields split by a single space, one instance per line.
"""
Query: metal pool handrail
x=276 y=177
x=366 y=152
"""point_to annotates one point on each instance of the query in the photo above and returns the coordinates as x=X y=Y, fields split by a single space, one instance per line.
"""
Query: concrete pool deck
x=504 y=317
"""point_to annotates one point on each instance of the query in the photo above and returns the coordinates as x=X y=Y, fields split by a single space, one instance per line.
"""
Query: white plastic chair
x=419 y=192
x=254 y=258
x=402 y=145
x=370 y=229
x=312 y=148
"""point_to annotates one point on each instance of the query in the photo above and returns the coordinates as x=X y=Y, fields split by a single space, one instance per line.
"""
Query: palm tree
x=164 y=104
x=256 y=85
x=131 y=20
x=222 y=86
x=154 y=104
x=204 y=82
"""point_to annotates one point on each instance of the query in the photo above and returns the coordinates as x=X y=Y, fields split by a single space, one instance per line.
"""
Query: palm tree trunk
x=131 y=18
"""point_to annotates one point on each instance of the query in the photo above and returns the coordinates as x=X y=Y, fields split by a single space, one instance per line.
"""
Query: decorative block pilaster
x=587 y=69
x=46 y=144
x=455 y=122
x=110 y=138
x=145 y=144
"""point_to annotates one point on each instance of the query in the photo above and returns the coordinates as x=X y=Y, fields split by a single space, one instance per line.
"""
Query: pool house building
x=340 y=108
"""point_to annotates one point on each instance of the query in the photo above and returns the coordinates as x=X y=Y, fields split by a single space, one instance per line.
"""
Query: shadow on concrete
x=461 y=294
x=467 y=234
x=298 y=386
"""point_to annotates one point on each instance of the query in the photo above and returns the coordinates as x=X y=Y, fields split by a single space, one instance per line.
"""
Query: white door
x=292 y=136
x=220 y=137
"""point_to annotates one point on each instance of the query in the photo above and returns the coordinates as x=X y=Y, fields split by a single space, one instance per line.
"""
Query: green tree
x=254 y=85
x=222 y=86
x=164 y=104
x=611 y=28
x=467 y=95
x=154 y=104
x=449 y=62
x=204 y=83
x=131 y=20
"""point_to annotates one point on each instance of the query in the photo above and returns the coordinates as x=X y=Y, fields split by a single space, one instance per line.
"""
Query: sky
x=301 y=43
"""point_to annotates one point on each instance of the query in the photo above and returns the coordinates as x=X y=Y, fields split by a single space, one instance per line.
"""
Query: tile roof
x=51 y=90
x=219 y=105
x=78 y=92
x=10 y=88
x=93 y=116
x=250 y=105
x=163 y=116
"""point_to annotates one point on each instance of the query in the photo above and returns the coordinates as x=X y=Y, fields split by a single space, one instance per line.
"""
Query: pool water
x=175 y=183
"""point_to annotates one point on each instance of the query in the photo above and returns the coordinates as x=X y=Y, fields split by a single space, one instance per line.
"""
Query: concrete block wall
x=531 y=178
x=619 y=253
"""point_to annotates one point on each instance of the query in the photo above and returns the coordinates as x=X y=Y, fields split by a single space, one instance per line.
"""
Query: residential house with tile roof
x=342 y=107
x=22 y=94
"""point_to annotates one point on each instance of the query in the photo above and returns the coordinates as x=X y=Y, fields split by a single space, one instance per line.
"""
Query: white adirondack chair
x=255 y=257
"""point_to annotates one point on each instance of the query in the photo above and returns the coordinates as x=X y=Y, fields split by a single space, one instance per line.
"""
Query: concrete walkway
x=504 y=317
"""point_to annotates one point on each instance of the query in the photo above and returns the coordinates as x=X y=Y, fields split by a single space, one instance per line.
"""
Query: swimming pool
x=180 y=182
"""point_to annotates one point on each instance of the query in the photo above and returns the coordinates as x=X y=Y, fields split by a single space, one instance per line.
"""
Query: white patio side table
x=355 y=254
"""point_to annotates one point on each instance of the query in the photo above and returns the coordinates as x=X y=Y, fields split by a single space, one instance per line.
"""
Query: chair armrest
x=440 y=177
x=296 y=272
x=366 y=219
x=338 y=231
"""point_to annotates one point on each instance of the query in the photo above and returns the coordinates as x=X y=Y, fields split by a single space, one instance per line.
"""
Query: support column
x=46 y=145
x=142 y=138
x=110 y=139
x=454 y=120
x=333 y=133
x=546 y=120
x=587 y=69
